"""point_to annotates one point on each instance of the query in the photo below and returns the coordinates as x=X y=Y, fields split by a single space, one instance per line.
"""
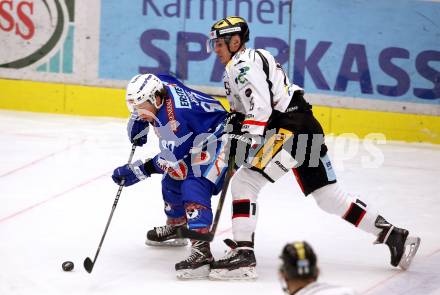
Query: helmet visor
x=130 y=105
x=210 y=41
x=211 y=44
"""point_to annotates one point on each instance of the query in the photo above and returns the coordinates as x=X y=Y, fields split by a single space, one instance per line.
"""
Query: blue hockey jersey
x=189 y=126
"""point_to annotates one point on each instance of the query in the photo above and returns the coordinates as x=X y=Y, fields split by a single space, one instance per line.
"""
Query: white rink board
x=56 y=195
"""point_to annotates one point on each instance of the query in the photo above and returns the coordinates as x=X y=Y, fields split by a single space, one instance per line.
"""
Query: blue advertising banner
x=387 y=50
x=170 y=36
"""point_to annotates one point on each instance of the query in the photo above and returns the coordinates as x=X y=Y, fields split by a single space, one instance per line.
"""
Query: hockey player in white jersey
x=299 y=272
x=267 y=109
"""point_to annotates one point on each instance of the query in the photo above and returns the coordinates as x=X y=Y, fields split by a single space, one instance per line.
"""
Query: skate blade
x=411 y=246
x=193 y=274
x=168 y=243
x=242 y=273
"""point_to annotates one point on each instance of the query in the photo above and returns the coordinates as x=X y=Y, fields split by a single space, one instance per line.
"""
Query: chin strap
x=227 y=41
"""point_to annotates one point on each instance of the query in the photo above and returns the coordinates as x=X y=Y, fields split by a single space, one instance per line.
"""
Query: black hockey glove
x=234 y=122
x=240 y=142
x=239 y=147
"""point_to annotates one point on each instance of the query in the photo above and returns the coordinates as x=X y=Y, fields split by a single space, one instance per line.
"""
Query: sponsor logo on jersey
x=193 y=98
x=181 y=100
x=171 y=115
x=227 y=87
x=201 y=158
x=241 y=76
x=220 y=163
x=179 y=172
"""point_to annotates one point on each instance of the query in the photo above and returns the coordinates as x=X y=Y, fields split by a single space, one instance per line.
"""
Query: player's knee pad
x=198 y=216
x=247 y=182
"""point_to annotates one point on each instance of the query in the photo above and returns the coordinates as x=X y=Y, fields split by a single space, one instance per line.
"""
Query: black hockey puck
x=67 y=265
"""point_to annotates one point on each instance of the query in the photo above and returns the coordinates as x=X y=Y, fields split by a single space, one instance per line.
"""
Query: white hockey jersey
x=256 y=84
x=317 y=288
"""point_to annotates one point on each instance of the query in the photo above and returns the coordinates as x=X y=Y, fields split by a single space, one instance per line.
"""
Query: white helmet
x=143 y=88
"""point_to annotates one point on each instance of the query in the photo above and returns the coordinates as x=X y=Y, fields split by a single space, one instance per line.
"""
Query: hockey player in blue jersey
x=189 y=125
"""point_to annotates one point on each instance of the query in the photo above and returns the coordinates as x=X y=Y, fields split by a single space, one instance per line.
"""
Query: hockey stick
x=88 y=263
x=184 y=232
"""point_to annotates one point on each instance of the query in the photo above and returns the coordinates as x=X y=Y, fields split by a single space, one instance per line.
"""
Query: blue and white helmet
x=143 y=88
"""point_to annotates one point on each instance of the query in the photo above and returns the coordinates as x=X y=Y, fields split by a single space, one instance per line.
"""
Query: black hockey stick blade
x=88 y=264
x=184 y=232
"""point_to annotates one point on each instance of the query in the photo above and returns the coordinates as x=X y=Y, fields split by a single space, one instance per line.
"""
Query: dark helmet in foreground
x=298 y=261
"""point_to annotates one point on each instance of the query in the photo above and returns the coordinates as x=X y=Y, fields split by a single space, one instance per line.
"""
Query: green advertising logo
x=38 y=34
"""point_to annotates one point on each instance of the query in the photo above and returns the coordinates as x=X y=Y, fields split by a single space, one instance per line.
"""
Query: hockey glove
x=240 y=142
x=234 y=122
x=131 y=173
x=240 y=145
x=137 y=130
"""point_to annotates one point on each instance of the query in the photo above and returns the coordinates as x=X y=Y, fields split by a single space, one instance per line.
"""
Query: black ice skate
x=238 y=264
x=165 y=236
x=402 y=247
x=197 y=265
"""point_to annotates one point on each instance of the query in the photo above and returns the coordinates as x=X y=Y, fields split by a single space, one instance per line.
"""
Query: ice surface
x=56 y=194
